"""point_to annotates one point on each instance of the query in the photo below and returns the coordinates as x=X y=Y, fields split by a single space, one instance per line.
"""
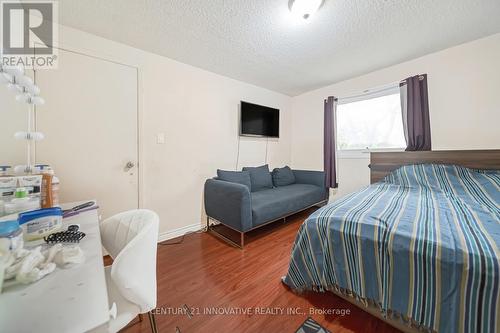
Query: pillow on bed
x=239 y=177
x=283 y=176
x=260 y=177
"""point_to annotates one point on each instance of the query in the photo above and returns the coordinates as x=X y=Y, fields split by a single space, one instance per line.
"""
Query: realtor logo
x=29 y=30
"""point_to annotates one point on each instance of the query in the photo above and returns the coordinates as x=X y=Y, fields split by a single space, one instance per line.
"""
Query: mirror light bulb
x=25 y=80
x=37 y=100
x=22 y=169
x=6 y=78
x=34 y=136
x=15 y=87
x=15 y=71
x=30 y=99
x=25 y=98
x=305 y=8
x=34 y=90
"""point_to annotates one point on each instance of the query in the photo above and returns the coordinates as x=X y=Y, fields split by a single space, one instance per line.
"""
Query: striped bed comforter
x=422 y=245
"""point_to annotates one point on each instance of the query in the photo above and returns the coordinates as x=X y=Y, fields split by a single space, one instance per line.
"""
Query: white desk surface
x=67 y=300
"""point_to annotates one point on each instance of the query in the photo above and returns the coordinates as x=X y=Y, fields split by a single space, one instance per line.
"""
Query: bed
x=419 y=248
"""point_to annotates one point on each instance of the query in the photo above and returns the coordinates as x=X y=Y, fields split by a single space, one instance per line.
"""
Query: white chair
x=130 y=239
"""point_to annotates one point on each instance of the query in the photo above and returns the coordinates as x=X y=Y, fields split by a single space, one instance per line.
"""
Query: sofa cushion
x=271 y=204
x=260 y=177
x=240 y=177
x=283 y=176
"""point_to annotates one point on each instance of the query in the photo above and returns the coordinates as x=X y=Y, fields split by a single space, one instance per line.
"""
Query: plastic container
x=40 y=223
x=55 y=191
x=7 y=188
x=4 y=170
x=46 y=197
x=33 y=183
x=49 y=194
x=11 y=237
x=40 y=168
x=21 y=202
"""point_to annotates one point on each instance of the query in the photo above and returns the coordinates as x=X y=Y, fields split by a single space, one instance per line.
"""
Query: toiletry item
x=55 y=191
x=21 y=193
x=11 y=237
x=46 y=197
x=4 y=170
x=49 y=194
x=7 y=188
x=40 y=223
x=21 y=202
x=43 y=168
x=33 y=183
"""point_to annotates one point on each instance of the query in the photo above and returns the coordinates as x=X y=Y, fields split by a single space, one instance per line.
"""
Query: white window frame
x=367 y=94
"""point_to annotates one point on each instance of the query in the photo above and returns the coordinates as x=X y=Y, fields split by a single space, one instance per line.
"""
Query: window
x=370 y=121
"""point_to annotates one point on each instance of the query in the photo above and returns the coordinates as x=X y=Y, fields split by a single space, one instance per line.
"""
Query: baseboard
x=179 y=232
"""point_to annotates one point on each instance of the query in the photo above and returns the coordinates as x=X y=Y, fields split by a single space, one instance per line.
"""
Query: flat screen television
x=258 y=120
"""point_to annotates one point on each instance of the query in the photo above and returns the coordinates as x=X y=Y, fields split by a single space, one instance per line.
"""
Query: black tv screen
x=258 y=120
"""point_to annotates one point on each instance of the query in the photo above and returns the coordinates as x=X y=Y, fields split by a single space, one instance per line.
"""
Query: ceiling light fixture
x=304 y=8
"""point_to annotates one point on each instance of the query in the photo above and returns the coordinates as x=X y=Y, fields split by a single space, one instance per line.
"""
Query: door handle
x=128 y=166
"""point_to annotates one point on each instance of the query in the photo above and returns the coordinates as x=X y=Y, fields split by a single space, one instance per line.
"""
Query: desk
x=67 y=300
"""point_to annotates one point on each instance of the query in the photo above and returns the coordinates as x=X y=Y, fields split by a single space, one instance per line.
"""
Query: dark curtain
x=329 y=146
x=415 y=109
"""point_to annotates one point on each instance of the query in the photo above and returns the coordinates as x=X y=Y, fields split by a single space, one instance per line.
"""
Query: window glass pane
x=371 y=123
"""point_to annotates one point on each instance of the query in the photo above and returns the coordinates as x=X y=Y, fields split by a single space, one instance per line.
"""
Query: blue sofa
x=243 y=207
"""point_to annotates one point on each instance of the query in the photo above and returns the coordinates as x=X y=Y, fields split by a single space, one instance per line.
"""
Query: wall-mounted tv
x=258 y=120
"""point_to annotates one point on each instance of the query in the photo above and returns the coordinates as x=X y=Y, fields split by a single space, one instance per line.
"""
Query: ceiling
x=259 y=42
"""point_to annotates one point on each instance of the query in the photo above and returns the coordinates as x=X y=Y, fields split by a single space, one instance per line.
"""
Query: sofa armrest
x=310 y=177
x=229 y=203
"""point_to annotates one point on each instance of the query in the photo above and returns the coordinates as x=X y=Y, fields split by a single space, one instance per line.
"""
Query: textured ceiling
x=259 y=42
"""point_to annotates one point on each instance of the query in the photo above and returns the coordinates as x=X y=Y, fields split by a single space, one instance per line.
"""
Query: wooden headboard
x=383 y=163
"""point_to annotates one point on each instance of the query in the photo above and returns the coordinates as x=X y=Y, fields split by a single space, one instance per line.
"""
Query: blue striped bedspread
x=422 y=245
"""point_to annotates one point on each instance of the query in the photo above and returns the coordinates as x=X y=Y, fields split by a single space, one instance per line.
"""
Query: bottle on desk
x=50 y=187
x=21 y=202
x=8 y=186
x=4 y=170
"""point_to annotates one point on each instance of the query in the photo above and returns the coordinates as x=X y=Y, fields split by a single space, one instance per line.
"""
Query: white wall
x=198 y=112
x=464 y=103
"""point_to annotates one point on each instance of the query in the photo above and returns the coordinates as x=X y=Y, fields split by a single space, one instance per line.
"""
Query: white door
x=90 y=126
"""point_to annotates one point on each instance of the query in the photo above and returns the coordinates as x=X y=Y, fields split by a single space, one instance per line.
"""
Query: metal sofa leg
x=152 y=321
x=230 y=241
x=239 y=243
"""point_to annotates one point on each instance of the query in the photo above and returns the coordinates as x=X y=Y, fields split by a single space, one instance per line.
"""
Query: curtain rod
x=379 y=89
x=366 y=92
x=420 y=78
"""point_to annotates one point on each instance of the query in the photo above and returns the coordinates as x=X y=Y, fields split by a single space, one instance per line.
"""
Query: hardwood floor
x=206 y=274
